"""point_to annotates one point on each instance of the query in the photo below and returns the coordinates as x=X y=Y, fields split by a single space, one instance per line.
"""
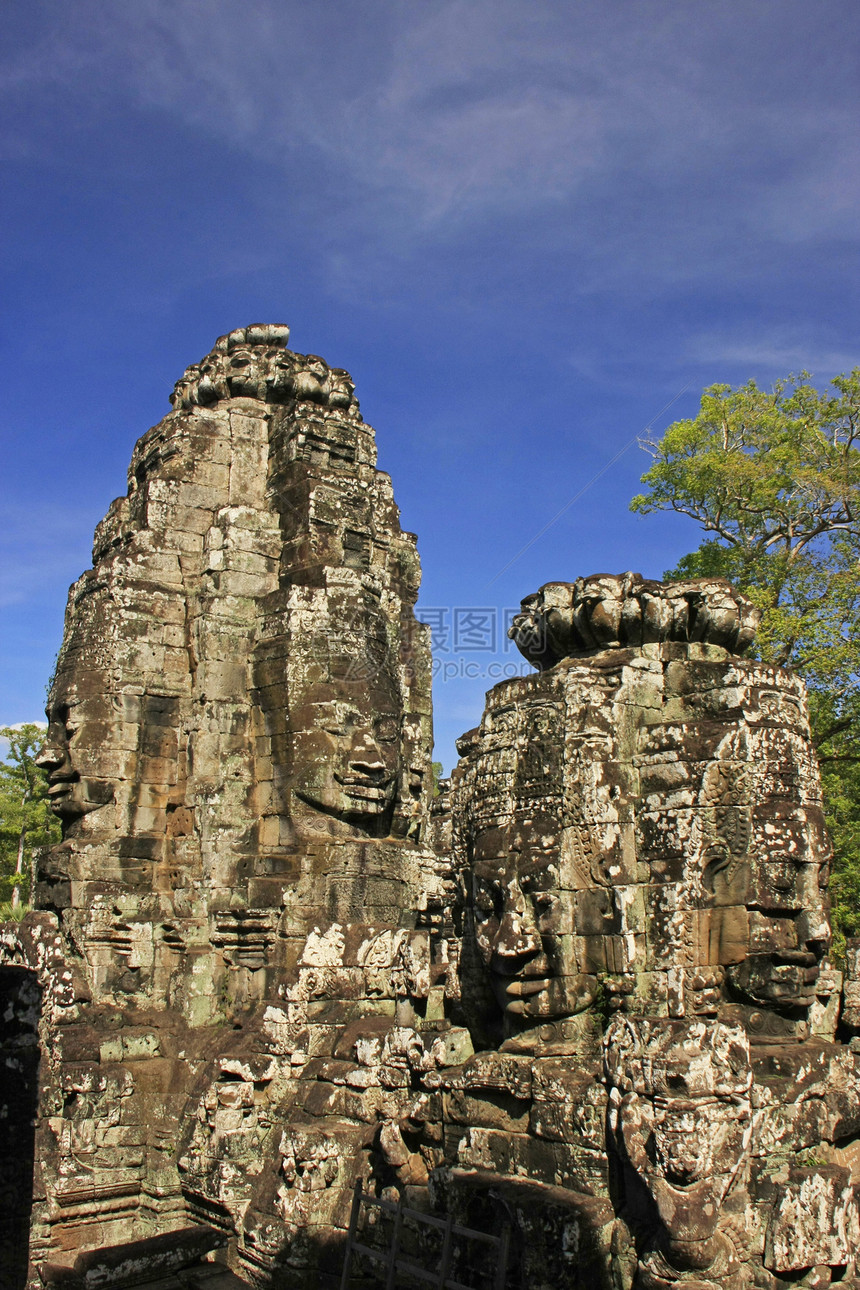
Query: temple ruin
x=577 y=1003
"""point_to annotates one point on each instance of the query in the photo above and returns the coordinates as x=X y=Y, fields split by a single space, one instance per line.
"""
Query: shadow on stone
x=20 y=1007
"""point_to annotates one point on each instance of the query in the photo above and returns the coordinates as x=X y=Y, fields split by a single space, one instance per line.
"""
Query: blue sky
x=524 y=228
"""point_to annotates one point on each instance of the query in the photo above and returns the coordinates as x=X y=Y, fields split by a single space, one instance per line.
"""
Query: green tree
x=26 y=821
x=773 y=478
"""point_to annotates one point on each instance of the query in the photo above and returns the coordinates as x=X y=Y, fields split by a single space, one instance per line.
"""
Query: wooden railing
x=396 y=1263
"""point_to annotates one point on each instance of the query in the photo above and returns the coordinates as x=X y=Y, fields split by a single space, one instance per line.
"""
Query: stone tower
x=239 y=751
x=666 y=1099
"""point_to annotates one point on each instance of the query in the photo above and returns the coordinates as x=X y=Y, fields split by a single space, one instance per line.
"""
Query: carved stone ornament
x=607 y=610
x=254 y=363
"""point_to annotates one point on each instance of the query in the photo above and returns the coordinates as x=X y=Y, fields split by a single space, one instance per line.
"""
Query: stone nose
x=51 y=756
x=517 y=937
x=813 y=931
x=366 y=751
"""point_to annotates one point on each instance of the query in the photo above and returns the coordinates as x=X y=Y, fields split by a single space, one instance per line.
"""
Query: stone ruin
x=582 y=992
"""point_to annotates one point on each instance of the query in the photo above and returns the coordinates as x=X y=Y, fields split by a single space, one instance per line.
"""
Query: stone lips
x=604 y=611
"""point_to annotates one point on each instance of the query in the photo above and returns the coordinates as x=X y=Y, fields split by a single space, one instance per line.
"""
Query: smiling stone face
x=111 y=751
x=789 y=922
x=524 y=909
x=648 y=818
x=348 y=750
x=78 y=780
x=347 y=758
x=534 y=892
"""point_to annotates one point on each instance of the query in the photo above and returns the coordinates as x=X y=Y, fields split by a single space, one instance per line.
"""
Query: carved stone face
x=693 y=1136
x=76 y=730
x=679 y=1098
x=342 y=388
x=312 y=381
x=243 y=374
x=346 y=758
x=523 y=909
x=739 y=869
x=346 y=751
x=789 y=924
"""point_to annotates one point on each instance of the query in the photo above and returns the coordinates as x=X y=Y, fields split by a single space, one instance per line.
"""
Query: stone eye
x=545 y=906
x=344 y=727
x=386 y=729
x=487 y=902
x=544 y=899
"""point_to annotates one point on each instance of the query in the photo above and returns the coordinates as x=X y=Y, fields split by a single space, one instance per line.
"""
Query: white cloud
x=776 y=351
x=471 y=109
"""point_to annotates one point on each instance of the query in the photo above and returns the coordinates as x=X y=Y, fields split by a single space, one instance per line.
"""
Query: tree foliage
x=773 y=478
x=26 y=821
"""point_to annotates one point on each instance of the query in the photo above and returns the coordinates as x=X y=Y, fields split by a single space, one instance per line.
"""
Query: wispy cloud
x=438 y=116
x=772 y=351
